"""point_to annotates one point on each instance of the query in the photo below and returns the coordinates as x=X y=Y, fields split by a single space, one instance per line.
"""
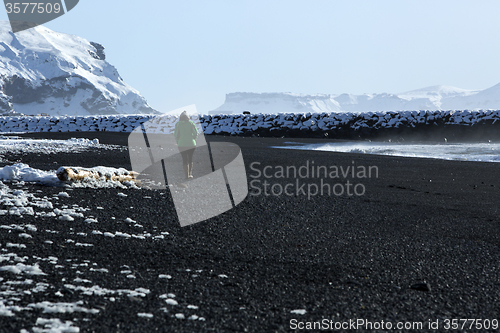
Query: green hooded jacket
x=185 y=133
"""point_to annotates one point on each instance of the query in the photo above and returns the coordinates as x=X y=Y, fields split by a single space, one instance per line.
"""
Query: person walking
x=186 y=134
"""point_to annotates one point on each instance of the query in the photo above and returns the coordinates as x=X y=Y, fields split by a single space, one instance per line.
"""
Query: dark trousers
x=187 y=154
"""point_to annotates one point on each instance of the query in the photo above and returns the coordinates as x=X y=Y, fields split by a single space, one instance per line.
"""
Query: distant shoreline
x=121 y=138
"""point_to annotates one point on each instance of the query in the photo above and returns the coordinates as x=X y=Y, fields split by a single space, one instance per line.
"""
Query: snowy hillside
x=42 y=71
x=269 y=103
x=430 y=98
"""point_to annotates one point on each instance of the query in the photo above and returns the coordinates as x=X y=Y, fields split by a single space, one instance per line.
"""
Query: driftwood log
x=78 y=174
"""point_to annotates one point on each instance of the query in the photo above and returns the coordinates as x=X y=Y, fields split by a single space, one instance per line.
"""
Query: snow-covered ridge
x=277 y=102
x=261 y=124
x=42 y=71
x=430 y=98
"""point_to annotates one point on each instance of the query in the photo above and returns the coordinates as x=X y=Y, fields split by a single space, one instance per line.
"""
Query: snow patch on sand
x=22 y=268
x=23 y=172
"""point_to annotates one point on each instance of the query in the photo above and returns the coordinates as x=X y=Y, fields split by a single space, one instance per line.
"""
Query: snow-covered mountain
x=42 y=71
x=430 y=98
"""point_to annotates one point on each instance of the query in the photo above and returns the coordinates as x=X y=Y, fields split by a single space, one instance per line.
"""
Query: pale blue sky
x=178 y=53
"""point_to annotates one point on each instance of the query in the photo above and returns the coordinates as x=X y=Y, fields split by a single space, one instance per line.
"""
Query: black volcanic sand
x=421 y=244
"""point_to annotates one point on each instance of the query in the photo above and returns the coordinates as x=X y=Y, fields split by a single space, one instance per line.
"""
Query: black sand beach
x=421 y=244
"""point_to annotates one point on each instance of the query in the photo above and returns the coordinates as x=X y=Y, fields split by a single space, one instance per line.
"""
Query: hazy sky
x=178 y=53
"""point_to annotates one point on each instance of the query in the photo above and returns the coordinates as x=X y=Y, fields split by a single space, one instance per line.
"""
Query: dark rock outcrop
x=99 y=51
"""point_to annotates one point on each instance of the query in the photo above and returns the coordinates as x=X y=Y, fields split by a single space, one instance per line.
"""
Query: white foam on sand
x=482 y=152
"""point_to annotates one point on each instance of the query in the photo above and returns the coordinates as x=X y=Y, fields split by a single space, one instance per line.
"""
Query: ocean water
x=483 y=152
